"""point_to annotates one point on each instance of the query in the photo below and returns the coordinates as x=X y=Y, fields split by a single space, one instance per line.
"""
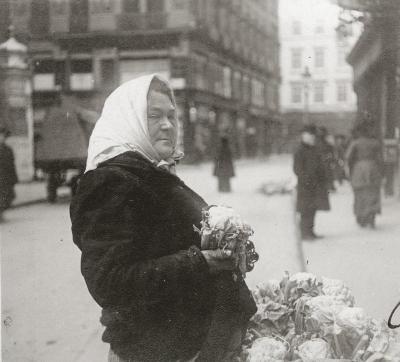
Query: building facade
x=316 y=79
x=375 y=59
x=222 y=58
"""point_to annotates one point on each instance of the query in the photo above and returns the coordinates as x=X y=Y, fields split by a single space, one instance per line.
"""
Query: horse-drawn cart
x=61 y=149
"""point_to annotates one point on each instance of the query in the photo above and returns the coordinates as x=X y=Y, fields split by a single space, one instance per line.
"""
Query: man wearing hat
x=8 y=175
x=311 y=181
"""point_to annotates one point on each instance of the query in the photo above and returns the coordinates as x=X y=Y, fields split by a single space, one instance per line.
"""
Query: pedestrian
x=8 y=174
x=365 y=167
x=327 y=151
x=163 y=298
x=340 y=152
x=223 y=165
x=312 y=193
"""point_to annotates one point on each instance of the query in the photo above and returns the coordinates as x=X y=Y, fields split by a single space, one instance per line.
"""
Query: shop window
x=131 y=6
x=296 y=58
x=296 y=92
x=81 y=66
x=43 y=66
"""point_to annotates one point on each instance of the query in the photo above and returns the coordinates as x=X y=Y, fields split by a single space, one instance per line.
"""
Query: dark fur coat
x=141 y=261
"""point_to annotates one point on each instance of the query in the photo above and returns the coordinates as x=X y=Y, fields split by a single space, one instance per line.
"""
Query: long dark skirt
x=367 y=202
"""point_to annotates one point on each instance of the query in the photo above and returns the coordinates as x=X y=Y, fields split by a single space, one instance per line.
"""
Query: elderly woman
x=163 y=298
x=364 y=162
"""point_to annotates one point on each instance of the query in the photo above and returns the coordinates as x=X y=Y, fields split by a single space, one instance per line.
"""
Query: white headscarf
x=123 y=125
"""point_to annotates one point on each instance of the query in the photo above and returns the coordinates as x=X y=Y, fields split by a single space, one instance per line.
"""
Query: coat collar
x=137 y=164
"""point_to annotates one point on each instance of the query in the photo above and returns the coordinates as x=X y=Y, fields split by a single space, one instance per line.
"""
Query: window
x=40 y=17
x=59 y=7
x=155 y=6
x=319 y=28
x=131 y=6
x=319 y=92
x=319 y=54
x=19 y=8
x=101 y=6
x=296 y=27
x=296 y=92
x=296 y=58
x=341 y=91
x=341 y=57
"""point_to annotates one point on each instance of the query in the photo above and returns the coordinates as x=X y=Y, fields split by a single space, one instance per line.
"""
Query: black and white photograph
x=200 y=180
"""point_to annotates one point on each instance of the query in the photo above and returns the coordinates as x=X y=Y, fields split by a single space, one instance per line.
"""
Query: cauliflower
x=337 y=289
x=267 y=291
x=322 y=312
x=381 y=337
x=305 y=281
x=353 y=322
x=266 y=349
x=222 y=228
x=314 y=349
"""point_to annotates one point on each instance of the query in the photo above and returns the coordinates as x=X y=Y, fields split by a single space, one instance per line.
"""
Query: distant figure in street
x=365 y=165
x=8 y=175
x=328 y=156
x=312 y=194
x=340 y=154
x=224 y=169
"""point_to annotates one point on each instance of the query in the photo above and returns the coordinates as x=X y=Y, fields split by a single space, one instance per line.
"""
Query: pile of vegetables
x=301 y=318
x=222 y=228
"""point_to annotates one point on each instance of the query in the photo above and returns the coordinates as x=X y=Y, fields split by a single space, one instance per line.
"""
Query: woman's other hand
x=219 y=260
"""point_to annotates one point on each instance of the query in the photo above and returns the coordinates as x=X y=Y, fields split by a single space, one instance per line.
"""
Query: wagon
x=61 y=149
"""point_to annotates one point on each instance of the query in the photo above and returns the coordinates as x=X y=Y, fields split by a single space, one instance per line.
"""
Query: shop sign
x=390 y=150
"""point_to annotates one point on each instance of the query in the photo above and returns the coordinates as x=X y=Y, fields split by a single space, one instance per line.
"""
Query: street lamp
x=306 y=84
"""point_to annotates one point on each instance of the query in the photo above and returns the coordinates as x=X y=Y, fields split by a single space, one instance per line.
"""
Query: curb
x=42 y=200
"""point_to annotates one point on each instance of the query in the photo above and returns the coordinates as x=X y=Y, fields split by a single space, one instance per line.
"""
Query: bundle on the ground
x=315 y=320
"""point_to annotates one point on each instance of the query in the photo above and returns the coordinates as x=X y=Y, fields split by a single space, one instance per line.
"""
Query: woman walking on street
x=163 y=298
x=223 y=168
x=364 y=162
x=8 y=174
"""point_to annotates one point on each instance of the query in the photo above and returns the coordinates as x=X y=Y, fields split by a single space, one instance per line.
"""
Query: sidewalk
x=367 y=260
x=34 y=192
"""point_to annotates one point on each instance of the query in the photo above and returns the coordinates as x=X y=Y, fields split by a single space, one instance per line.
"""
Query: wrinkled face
x=161 y=120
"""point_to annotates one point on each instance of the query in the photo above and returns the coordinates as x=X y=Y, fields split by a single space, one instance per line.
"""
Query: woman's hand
x=219 y=260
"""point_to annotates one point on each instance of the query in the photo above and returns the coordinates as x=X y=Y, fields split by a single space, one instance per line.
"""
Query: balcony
x=148 y=21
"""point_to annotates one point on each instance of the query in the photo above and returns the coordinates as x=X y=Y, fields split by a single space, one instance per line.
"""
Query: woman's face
x=162 y=125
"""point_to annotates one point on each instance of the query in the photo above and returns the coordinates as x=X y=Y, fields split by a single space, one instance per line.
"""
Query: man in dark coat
x=311 y=184
x=328 y=156
x=223 y=168
x=8 y=175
